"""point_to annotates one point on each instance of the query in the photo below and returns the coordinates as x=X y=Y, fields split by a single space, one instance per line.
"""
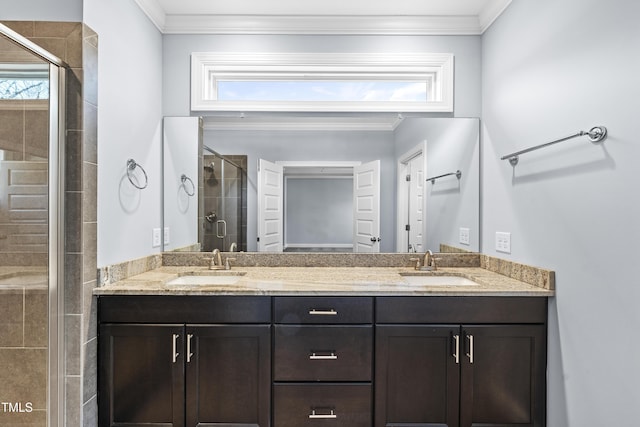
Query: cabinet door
x=141 y=375
x=503 y=376
x=228 y=375
x=417 y=376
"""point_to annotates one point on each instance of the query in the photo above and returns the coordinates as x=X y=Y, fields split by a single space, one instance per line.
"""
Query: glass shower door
x=225 y=187
x=25 y=238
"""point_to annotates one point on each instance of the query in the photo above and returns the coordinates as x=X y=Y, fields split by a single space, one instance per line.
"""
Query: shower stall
x=224 y=181
x=30 y=233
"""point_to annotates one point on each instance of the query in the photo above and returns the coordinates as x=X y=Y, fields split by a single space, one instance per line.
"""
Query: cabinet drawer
x=323 y=310
x=461 y=310
x=322 y=353
x=340 y=405
x=184 y=309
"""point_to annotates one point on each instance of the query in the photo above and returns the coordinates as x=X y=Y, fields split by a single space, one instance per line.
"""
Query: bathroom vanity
x=176 y=361
x=267 y=351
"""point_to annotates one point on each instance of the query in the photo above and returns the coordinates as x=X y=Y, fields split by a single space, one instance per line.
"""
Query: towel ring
x=131 y=166
x=184 y=178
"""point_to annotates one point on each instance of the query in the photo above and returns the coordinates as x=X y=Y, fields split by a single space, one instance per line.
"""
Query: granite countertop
x=344 y=281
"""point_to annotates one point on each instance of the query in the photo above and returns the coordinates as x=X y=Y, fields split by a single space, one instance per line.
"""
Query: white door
x=270 y=207
x=416 y=203
x=366 y=207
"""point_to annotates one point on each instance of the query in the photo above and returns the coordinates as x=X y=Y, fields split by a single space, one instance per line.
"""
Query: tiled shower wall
x=23 y=348
x=77 y=45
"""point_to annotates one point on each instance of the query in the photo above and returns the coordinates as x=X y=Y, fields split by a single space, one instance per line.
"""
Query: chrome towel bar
x=595 y=134
x=457 y=173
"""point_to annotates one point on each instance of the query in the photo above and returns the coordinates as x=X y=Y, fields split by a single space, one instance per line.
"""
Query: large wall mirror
x=282 y=183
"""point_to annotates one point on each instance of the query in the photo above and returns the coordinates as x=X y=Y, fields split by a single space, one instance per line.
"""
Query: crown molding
x=420 y=25
x=154 y=12
x=491 y=13
x=322 y=25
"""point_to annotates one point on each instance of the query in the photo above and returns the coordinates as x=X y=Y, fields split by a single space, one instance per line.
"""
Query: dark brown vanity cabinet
x=323 y=361
x=460 y=361
x=295 y=361
x=214 y=369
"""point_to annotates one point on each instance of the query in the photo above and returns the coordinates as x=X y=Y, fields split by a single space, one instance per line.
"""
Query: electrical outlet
x=156 y=238
x=464 y=236
x=166 y=236
x=503 y=242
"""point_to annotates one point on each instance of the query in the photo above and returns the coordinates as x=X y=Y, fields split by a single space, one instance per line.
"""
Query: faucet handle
x=227 y=265
x=417 y=261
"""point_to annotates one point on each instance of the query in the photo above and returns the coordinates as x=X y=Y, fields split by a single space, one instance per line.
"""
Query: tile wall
x=23 y=349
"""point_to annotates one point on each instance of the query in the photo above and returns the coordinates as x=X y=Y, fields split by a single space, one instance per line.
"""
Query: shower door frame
x=57 y=133
x=55 y=395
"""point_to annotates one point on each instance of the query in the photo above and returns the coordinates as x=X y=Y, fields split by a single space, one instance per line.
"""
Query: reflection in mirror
x=224 y=190
x=442 y=216
x=182 y=156
x=451 y=219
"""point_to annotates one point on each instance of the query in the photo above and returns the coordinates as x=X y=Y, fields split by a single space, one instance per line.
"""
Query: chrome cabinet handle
x=331 y=356
x=456 y=354
x=330 y=415
x=470 y=353
x=329 y=312
x=175 y=347
x=189 y=353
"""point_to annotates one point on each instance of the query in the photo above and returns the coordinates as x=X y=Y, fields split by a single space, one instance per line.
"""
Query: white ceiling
x=398 y=17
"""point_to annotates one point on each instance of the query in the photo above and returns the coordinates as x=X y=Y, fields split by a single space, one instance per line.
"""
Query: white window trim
x=434 y=68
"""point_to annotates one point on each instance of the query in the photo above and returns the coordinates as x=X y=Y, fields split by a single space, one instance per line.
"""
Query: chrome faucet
x=428 y=259
x=216 y=260
x=428 y=262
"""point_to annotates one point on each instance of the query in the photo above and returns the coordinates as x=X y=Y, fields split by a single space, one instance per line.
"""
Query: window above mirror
x=322 y=82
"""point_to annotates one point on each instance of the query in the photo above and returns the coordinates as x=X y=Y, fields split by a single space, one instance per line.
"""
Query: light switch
x=156 y=238
x=464 y=236
x=503 y=242
x=166 y=236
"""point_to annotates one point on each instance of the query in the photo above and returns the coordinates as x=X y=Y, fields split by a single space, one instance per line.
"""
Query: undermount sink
x=424 y=280
x=202 y=278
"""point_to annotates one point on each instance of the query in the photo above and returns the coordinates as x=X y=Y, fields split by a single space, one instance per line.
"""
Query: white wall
x=551 y=68
x=42 y=10
x=178 y=48
x=129 y=126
